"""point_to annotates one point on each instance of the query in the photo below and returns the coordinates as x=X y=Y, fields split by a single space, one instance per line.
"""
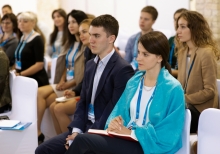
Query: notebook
x=8 y=123
x=19 y=126
x=63 y=99
x=112 y=134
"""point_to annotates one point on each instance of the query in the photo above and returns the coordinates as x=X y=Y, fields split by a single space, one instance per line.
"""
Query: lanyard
x=139 y=102
x=54 y=49
x=67 y=55
x=191 y=66
x=171 y=54
x=22 y=44
x=136 y=46
x=4 y=42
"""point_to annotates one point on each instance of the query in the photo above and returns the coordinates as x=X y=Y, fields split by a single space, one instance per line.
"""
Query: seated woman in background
x=57 y=37
x=5 y=96
x=173 y=50
x=69 y=69
x=29 y=54
x=61 y=111
x=8 y=39
x=197 y=54
x=151 y=108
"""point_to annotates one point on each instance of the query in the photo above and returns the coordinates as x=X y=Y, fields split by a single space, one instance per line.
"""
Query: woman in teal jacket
x=151 y=109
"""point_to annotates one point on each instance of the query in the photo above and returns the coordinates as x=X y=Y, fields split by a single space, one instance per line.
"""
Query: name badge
x=54 y=55
x=18 y=65
x=69 y=75
x=134 y=64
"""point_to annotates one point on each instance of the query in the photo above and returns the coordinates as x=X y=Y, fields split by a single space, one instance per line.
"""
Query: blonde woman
x=29 y=54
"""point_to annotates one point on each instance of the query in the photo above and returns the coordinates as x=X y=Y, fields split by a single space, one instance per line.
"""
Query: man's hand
x=70 y=138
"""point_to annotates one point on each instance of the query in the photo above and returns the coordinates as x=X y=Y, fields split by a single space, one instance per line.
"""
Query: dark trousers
x=54 y=145
x=195 y=118
x=97 y=144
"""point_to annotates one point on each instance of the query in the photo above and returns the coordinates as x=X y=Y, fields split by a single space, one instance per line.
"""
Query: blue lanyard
x=139 y=102
x=67 y=55
x=54 y=49
x=136 y=46
x=171 y=54
x=4 y=42
x=22 y=44
x=190 y=69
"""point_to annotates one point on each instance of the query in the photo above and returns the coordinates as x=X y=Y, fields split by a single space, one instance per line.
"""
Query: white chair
x=11 y=80
x=53 y=70
x=47 y=126
x=218 y=87
x=208 y=132
x=186 y=134
x=24 y=108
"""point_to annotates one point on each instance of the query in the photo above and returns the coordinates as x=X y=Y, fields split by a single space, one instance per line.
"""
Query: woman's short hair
x=156 y=42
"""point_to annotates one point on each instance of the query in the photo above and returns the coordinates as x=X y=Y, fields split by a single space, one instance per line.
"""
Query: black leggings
x=97 y=144
x=195 y=118
x=5 y=108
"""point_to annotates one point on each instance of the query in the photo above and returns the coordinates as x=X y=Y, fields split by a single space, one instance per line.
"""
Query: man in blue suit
x=104 y=81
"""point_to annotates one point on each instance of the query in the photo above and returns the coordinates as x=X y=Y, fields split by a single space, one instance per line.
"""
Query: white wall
x=166 y=9
x=127 y=12
x=20 y=5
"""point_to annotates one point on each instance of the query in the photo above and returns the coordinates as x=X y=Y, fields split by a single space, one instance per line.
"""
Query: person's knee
x=40 y=150
x=51 y=107
x=59 y=109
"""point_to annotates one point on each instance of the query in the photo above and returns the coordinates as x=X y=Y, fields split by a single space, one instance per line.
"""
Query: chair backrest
x=11 y=80
x=24 y=99
x=53 y=69
x=186 y=134
x=209 y=132
x=218 y=87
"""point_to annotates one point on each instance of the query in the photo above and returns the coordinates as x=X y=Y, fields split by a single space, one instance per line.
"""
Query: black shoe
x=41 y=138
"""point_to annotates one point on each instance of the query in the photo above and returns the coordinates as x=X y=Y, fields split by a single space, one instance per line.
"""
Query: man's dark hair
x=108 y=22
x=8 y=6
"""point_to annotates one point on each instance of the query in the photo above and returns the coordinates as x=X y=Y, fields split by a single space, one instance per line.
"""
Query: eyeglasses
x=6 y=23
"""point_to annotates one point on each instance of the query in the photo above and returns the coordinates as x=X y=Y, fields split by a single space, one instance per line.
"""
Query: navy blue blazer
x=111 y=85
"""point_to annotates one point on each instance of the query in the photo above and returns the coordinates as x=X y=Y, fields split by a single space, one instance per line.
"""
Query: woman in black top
x=8 y=39
x=29 y=54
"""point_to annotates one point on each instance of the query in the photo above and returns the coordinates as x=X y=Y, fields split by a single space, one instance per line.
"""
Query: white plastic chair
x=186 y=134
x=218 y=86
x=53 y=70
x=208 y=132
x=11 y=80
x=24 y=108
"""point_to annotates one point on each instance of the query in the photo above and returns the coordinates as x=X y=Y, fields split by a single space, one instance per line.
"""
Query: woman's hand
x=116 y=124
x=69 y=93
x=59 y=85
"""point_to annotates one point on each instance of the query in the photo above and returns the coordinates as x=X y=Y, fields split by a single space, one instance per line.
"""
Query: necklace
x=145 y=87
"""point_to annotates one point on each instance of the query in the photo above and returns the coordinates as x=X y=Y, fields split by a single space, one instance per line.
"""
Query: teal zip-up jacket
x=162 y=134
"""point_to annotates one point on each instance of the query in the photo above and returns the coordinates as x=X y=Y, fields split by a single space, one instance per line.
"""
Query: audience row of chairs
x=24 y=108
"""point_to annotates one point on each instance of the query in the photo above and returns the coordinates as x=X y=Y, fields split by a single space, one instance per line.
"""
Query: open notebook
x=112 y=134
